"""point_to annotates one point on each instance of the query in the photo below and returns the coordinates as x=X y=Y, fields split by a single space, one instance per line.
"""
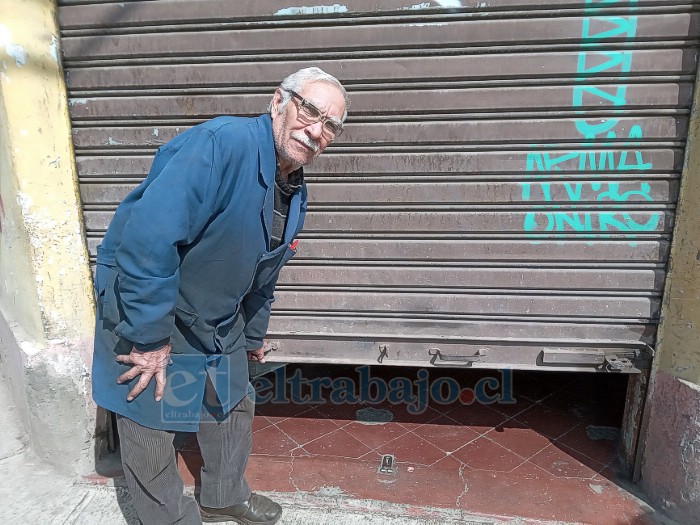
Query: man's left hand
x=259 y=354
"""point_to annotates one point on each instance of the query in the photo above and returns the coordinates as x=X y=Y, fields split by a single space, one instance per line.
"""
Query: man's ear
x=276 y=101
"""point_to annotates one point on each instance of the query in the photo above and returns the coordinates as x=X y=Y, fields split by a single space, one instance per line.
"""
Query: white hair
x=297 y=81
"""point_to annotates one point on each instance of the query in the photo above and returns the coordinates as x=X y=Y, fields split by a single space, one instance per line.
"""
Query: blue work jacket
x=187 y=259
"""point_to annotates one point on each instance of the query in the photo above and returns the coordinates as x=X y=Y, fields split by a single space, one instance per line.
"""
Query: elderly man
x=185 y=280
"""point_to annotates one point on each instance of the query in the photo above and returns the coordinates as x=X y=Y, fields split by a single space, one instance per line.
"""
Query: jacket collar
x=266 y=151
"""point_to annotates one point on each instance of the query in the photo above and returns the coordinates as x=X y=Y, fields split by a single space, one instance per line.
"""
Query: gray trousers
x=150 y=467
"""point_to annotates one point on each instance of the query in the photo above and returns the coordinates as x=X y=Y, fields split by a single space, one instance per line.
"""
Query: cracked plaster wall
x=46 y=304
x=670 y=471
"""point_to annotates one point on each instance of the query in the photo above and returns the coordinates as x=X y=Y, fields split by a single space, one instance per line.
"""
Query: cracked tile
x=270 y=473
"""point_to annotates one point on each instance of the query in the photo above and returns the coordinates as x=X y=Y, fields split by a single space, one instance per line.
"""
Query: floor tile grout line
x=333 y=432
x=554 y=476
x=587 y=457
x=558 y=440
x=374 y=448
x=287 y=435
x=540 y=468
x=579 y=451
x=514 y=452
x=453 y=452
x=319 y=437
x=307 y=442
x=417 y=436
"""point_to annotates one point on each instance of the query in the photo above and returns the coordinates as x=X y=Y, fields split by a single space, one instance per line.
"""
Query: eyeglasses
x=311 y=114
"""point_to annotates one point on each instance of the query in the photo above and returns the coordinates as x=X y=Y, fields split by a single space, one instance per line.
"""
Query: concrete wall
x=46 y=304
x=670 y=471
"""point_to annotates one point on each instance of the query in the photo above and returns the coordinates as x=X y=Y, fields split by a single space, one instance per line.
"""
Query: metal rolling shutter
x=503 y=196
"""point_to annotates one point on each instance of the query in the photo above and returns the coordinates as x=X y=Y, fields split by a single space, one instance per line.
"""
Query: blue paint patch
x=54 y=48
x=18 y=53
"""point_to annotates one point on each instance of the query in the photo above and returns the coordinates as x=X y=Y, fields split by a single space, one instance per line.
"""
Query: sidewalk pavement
x=30 y=493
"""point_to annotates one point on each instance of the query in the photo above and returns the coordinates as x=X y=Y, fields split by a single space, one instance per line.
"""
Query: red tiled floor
x=313 y=473
x=304 y=429
x=528 y=491
x=341 y=413
x=484 y=454
x=479 y=418
x=549 y=422
x=412 y=449
x=375 y=436
x=521 y=404
x=272 y=441
x=260 y=422
x=602 y=450
x=337 y=443
x=532 y=459
x=445 y=435
x=407 y=419
x=562 y=463
x=518 y=438
x=271 y=473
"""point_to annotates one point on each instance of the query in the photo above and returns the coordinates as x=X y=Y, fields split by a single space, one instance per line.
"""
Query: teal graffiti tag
x=599 y=152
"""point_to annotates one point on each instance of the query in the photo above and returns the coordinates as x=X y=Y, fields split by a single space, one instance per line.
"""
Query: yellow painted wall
x=39 y=188
x=18 y=293
x=46 y=300
x=678 y=345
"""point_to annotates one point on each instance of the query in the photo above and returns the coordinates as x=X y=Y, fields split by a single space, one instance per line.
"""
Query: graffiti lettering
x=588 y=221
x=601 y=134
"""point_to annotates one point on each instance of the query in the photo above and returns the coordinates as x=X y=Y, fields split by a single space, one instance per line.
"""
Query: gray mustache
x=304 y=139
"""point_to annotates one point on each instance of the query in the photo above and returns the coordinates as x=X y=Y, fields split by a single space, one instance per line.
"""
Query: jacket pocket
x=267 y=269
x=228 y=334
x=187 y=318
x=106 y=286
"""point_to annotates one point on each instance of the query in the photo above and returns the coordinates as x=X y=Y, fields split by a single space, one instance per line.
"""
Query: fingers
x=140 y=386
x=257 y=355
x=147 y=364
x=129 y=375
x=160 y=384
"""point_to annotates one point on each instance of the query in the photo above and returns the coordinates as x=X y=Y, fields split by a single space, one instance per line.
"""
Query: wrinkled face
x=297 y=140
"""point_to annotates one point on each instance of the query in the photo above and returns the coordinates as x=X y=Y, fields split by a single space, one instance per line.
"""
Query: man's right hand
x=146 y=364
